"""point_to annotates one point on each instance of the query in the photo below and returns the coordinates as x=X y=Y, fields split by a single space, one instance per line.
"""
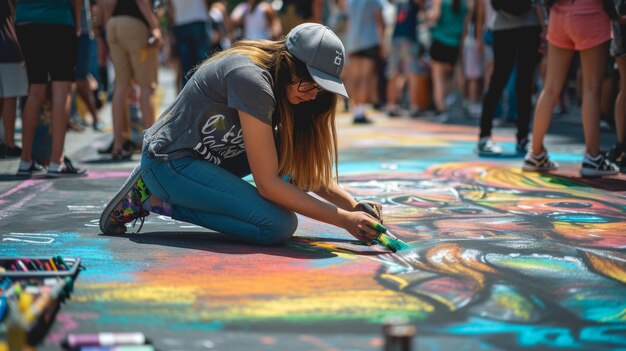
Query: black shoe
x=27 y=172
x=67 y=170
x=106 y=150
x=598 y=166
x=621 y=163
x=522 y=146
x=416 y=113
x=394 y=112
x=361 y=120
x=7 y=151
x=616 y=152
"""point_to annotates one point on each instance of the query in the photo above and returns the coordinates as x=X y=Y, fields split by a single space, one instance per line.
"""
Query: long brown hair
x=456 y=5
x=305 y=134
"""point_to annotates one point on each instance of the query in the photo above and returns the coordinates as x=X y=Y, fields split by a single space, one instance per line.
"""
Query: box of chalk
x=39 y=267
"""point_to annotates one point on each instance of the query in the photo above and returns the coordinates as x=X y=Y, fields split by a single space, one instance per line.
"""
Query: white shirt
x=189 y=11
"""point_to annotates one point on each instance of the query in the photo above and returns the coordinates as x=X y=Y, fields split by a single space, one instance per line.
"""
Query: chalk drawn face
x=492 y=202
x=300 y=91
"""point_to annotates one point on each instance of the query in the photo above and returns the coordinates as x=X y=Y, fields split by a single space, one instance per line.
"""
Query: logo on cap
x=338 y=59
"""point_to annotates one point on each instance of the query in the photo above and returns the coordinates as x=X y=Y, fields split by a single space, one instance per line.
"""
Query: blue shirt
x=406 y=20
x=44 y=11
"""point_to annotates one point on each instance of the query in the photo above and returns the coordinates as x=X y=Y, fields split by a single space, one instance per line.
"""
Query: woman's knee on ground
x=281 y=228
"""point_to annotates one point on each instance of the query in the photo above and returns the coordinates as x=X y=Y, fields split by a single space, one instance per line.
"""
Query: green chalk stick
x=392 y=244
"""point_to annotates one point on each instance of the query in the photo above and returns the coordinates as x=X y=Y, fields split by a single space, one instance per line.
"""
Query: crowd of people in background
x=488 y=60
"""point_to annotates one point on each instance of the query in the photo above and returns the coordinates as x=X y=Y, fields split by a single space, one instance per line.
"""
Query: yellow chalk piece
x=607 y=266
x=54 y=266
x=24 y=302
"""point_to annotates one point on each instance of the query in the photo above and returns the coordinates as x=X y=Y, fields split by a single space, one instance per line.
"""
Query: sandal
x=125 y=153
x=122 y=154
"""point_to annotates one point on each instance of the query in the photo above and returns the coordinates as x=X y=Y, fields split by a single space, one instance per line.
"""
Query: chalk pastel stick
x=105 y=339
x=119 y=348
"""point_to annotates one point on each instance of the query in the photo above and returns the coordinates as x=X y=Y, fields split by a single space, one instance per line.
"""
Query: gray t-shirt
x=204 y=122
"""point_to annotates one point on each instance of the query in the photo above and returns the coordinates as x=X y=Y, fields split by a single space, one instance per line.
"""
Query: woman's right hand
x=154 y=40
x=359 y=225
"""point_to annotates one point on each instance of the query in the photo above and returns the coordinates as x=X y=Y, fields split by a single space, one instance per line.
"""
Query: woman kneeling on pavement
x=261 y=107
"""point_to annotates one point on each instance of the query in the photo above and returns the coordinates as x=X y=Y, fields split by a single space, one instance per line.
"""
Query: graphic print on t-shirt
x=220 y=141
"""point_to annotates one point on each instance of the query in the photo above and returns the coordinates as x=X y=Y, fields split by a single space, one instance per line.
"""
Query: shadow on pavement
x=218 y=243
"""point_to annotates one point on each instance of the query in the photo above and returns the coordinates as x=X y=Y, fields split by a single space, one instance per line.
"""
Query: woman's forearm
x=338 y=196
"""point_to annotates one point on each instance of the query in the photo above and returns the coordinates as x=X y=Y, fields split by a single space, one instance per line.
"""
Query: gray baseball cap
x=321 y=50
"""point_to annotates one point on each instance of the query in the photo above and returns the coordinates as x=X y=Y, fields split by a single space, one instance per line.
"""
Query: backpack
x=512 y=7
x=614 y=8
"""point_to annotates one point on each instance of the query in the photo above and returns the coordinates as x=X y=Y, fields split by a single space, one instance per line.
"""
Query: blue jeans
x=192 y=43
x=209 y=196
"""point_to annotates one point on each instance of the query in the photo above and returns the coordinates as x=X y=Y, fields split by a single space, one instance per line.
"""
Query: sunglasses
x=305 y=87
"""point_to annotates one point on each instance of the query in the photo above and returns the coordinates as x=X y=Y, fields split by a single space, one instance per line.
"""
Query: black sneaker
x=27 y=172
x=598 y=166
x=394 y=112
x=538 y=163
x=615 y=153
x=67 y=170
x=621 y=163
x=106 y=150
x=7 y=151
x=361 y=120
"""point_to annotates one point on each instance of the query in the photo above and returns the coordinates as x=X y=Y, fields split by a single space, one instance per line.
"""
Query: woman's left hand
x=373 y=208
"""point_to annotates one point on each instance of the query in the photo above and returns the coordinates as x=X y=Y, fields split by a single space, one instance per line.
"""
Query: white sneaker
x=487 y=147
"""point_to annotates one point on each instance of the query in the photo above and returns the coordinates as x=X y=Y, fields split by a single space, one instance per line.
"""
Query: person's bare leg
x=620 y=102
x=147 y=104
x=372 y=84
x=119 y=109
x=394 y=86
x=30 y=118
x=364 y=70
x=439 y=85
x=8 y=110
x=557 y=65
x=592 y=62
x=60 y=118
x=413 y=91
x=473 y=90
x=360 y=83
x=82 y=88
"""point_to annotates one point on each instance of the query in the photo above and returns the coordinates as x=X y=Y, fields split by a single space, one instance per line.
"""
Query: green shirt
x=44 y=11
x=449 y=28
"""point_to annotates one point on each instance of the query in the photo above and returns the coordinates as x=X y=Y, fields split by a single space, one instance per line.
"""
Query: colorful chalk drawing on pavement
x=501 y=260
x=516 y=258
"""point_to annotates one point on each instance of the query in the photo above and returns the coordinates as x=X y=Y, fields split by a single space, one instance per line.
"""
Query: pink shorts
x=580 y=25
